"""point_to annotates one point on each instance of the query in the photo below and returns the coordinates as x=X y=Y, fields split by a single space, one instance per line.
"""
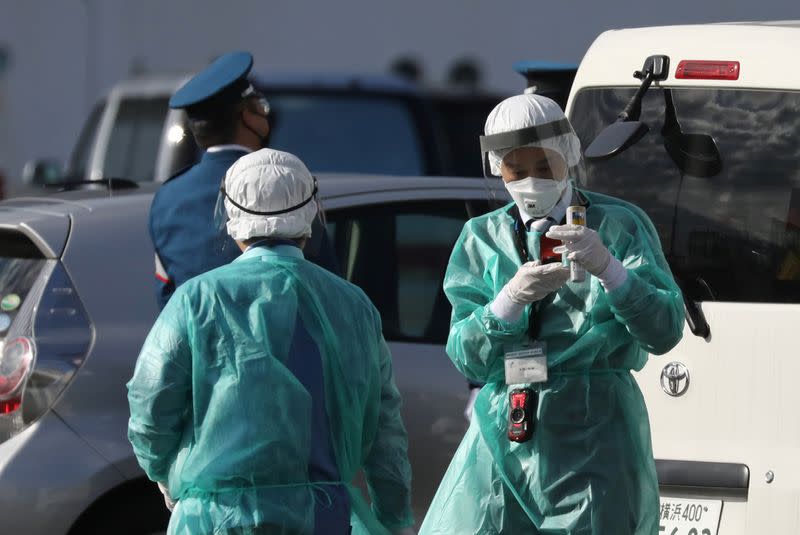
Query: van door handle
x=728 y=478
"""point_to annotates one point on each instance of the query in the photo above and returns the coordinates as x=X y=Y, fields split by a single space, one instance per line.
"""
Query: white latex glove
x=533 y=281
x=405 y=531
x=168 y=501
x=473 y=393
x=582 y=245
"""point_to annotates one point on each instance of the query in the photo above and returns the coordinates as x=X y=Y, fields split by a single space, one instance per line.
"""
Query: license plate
x=682 y=516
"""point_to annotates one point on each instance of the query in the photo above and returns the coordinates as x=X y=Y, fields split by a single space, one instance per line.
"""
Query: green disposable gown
x=217 y=415
x=588 y=468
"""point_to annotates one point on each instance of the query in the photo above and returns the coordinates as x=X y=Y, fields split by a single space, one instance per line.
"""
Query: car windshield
x=346 y=133
x=134 y=142
x=79 y=161
x=731 y=237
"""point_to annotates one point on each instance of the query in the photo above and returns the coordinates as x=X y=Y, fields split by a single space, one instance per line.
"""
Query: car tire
x=137 y=508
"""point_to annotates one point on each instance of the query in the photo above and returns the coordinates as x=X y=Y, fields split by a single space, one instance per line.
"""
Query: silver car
x=77 y=299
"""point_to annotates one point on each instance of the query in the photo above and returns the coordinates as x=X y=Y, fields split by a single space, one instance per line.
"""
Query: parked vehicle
x=336 y=123
x=78 y=299
x=708 y=146
x=548 y=78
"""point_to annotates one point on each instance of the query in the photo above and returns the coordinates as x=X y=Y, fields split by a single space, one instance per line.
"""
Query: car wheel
x=136 y=509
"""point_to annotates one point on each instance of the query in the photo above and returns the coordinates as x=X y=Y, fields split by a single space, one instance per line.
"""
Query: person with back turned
x=265 y=385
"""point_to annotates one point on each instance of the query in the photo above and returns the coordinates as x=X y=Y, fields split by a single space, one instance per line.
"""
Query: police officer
x=228 y=118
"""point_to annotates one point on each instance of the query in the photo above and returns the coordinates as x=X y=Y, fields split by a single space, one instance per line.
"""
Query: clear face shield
x=535 y=163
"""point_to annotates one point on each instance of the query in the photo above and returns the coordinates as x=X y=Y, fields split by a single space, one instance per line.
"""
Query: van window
x=734 y=236
x=342 y=133
x=135 y=139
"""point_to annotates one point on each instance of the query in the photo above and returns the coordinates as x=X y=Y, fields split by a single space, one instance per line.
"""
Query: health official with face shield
x=560 y=439
x=266 y=384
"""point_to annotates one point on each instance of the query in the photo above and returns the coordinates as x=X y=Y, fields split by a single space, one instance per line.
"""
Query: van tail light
x=16 y=361
x=690 y=69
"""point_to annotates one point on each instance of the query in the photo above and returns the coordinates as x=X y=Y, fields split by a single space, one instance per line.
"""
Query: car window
x=135 y=139
x=346 y=133
x=398 y=253
x=734 y=236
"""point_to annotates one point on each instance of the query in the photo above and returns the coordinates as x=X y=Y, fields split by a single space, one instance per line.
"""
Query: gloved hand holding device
x=584 y=246
x=534 y=281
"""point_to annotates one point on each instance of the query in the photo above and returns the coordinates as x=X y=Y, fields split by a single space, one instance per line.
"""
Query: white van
x=713 y=156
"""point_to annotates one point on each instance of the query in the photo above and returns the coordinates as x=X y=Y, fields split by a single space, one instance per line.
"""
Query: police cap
x=222 y=83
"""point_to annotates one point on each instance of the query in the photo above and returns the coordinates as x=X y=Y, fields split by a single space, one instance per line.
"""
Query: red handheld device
x=521 y=414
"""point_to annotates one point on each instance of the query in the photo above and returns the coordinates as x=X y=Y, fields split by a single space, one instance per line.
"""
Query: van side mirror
x=694 y=154
x=627 y=130
x=42 y=172
x=614 y=139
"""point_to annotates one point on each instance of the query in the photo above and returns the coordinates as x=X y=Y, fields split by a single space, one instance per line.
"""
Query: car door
x=397 y=252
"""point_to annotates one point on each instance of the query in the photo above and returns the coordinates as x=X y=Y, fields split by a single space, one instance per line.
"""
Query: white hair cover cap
x=269 y=181
x=524 y=111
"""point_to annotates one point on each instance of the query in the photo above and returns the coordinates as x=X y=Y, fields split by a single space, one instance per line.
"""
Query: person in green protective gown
x=588 y=466
x=266 y=384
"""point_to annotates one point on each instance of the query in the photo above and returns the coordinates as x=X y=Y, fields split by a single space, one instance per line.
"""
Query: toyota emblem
x=675 y=379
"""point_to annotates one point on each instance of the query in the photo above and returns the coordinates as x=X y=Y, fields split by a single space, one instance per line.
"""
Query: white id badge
x=527 y=364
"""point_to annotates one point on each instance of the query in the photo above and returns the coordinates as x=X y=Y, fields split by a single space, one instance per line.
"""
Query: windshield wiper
x=111 y=184
x=695 y=318
x=694 y=154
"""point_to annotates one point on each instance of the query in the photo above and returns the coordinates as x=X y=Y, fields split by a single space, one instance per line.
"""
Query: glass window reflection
x=731 y=237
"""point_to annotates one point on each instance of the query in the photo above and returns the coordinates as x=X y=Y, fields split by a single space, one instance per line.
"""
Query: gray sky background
x=66 y=53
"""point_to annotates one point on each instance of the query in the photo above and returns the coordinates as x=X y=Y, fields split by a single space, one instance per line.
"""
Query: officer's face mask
x=257 y=104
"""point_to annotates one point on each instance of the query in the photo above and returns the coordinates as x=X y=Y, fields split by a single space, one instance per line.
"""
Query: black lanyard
x=520 y=235
x=521 y=241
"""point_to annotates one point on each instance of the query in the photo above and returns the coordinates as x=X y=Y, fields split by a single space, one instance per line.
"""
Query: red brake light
x=690 y=69
x=10 y=405
x=15 y=362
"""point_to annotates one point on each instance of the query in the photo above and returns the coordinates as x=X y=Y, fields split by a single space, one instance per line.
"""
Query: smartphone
x=546 y=253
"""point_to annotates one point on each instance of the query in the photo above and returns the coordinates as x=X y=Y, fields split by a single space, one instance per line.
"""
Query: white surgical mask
x=536 y=197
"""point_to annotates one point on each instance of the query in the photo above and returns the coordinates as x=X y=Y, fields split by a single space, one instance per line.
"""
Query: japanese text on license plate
x=683 y=516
